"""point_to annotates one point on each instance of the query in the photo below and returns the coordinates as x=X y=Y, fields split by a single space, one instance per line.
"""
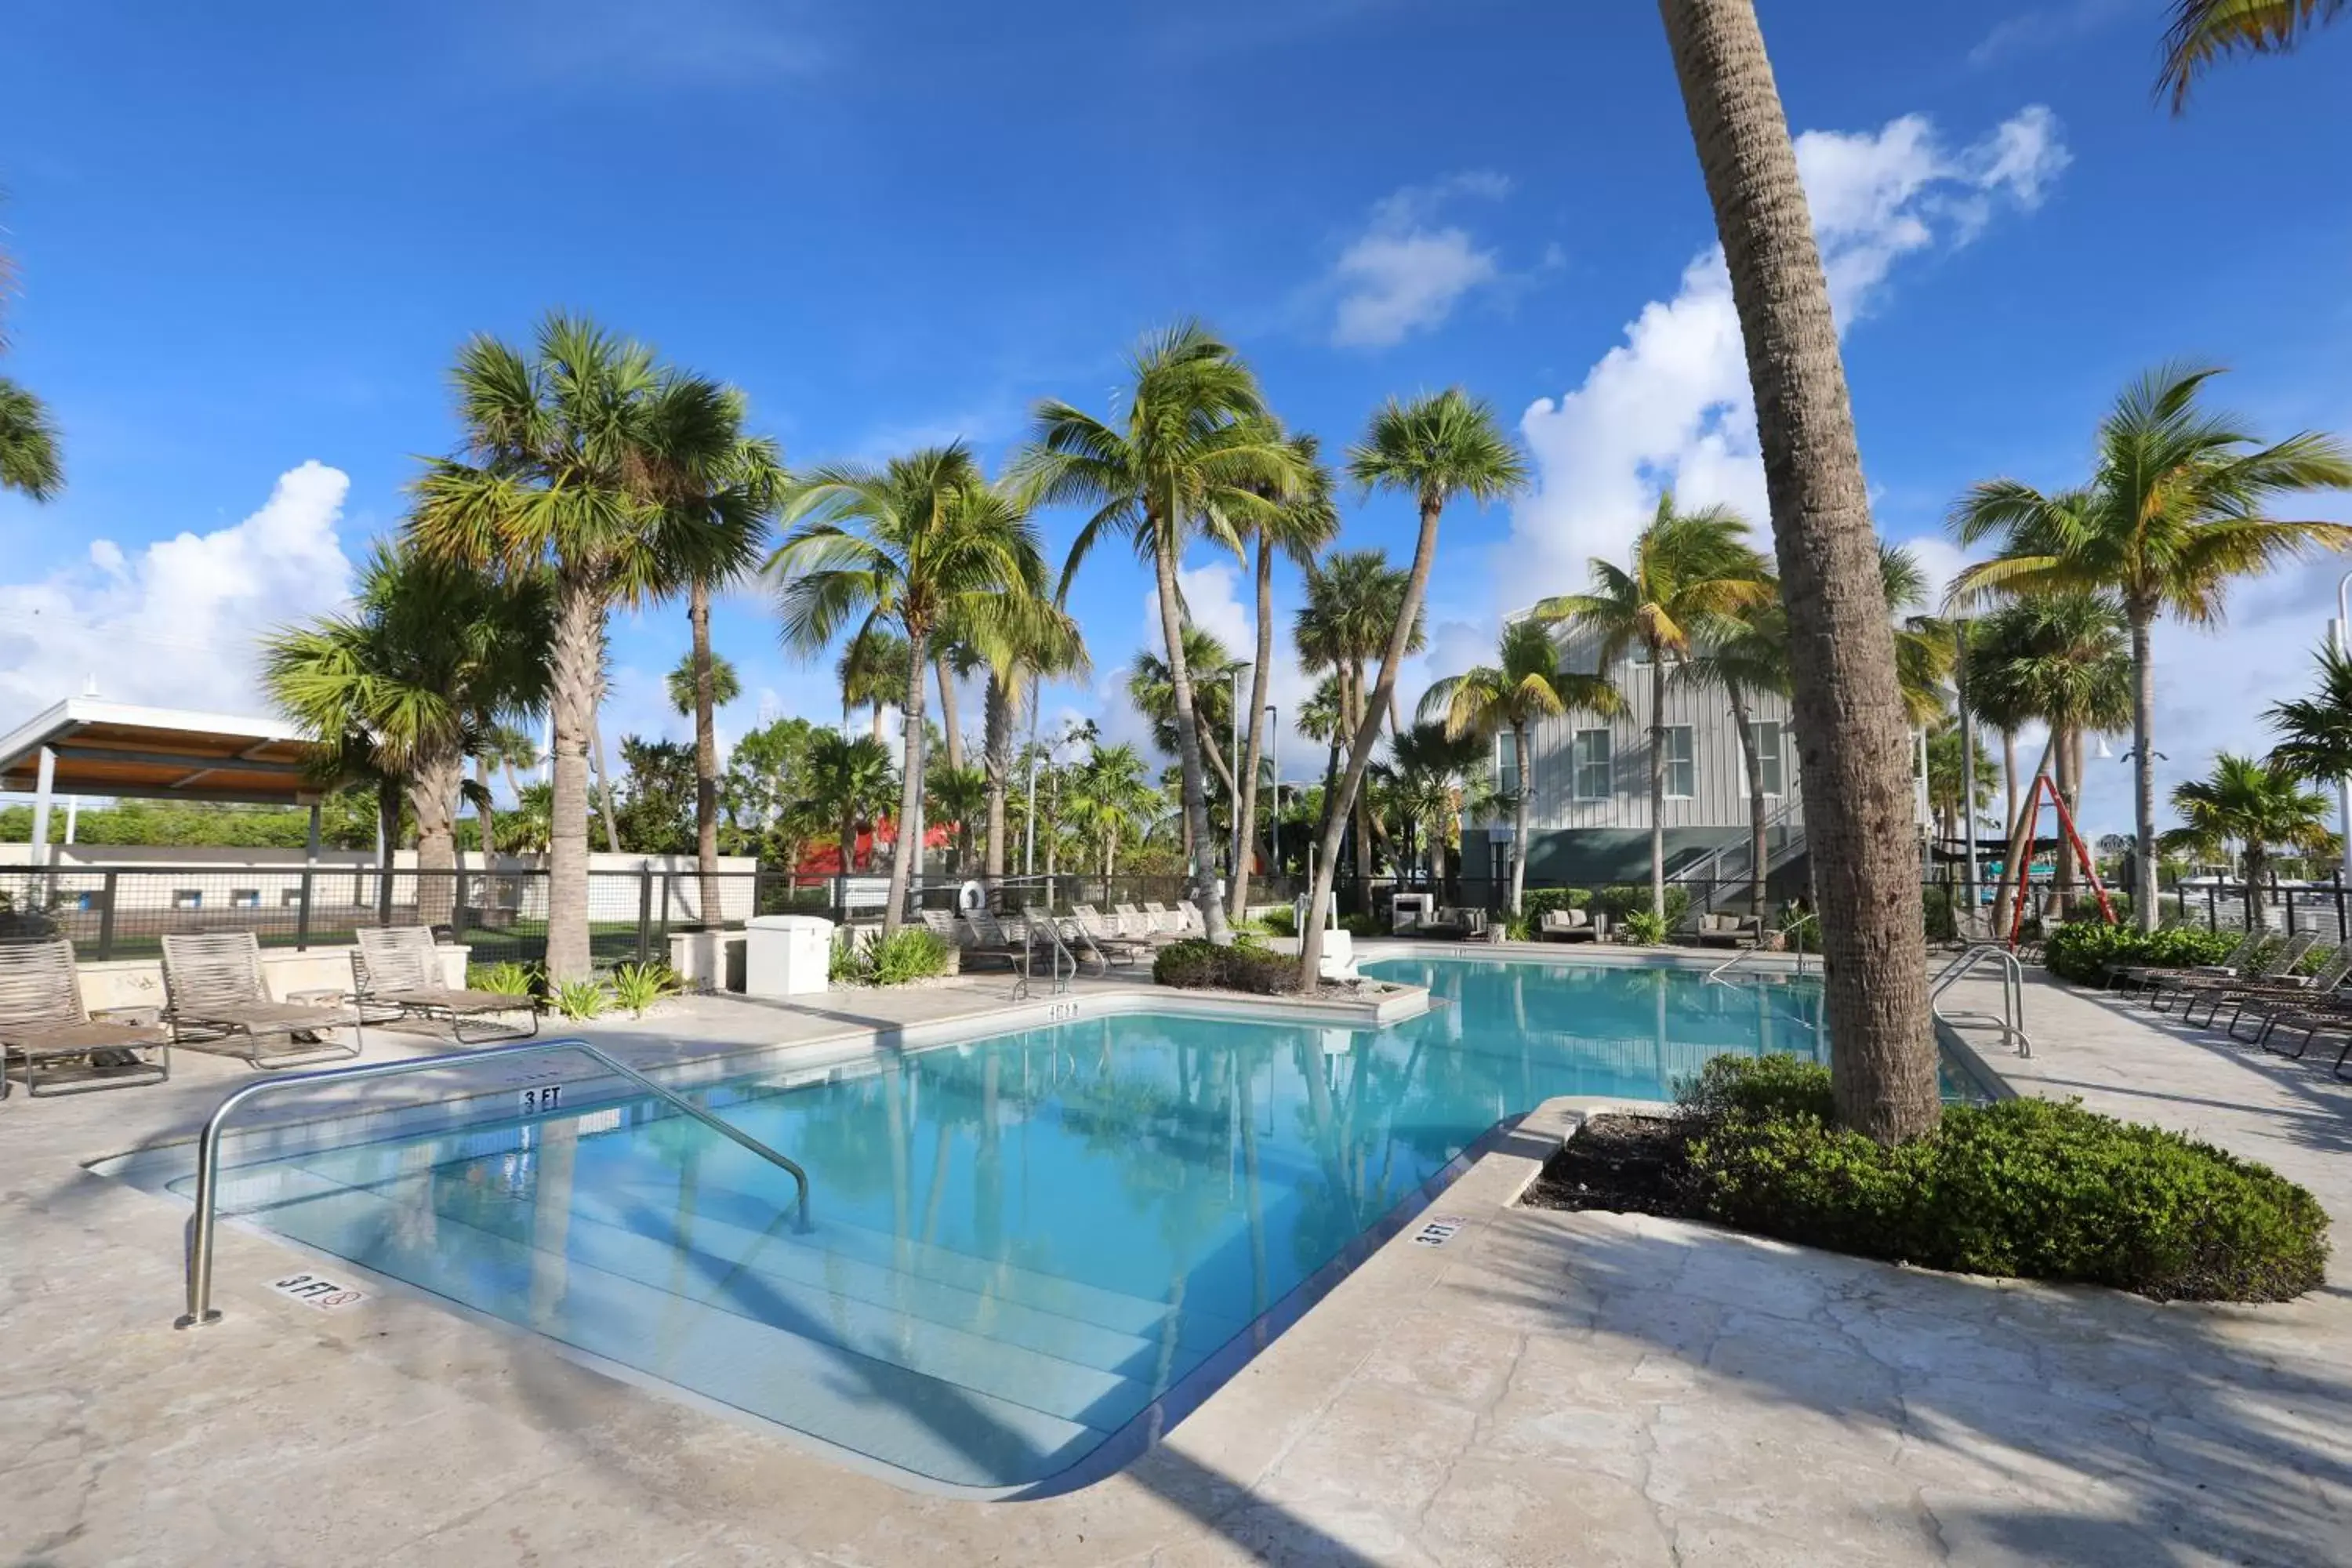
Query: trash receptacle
x=786 y=955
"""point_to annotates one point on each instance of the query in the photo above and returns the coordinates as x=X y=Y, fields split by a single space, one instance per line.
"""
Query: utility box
x=786 y=955
x=1410 y=912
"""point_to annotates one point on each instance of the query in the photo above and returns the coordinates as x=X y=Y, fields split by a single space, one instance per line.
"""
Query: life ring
x=970 y=896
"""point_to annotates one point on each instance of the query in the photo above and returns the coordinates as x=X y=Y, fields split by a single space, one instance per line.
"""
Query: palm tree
x=568 y=462
x=1352 y=599
x=1032 y=639
x=957 y=795
x=1441 y=447
x=402 y=685
x=1430 y=769
x=1111 y=798
x=1197 y=452
x=1305 y=521
x=872 y=674
x=501 y=746
x=2316 y=731
x=1525 y=685
x=848 y=781
x=2173 y=513
x=2203 y=31
x=1846 y=704
x=2259 y=806
x=1152 y=688
x=1925 y=646
x=1693 y=574
x=917 y=544
x=726 y=684
x=29 y=463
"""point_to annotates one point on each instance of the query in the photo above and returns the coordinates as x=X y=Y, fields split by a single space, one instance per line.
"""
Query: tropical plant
x=2315 y=732
x=29 y=463
x=1693 y=575
x=1033 y=639
x=1352 y=599
x=726 y=685
x=1644 y=927
x=1954 y=804
x=396 y=689
x=848 y=781
x=570 y=461
x=639 y=987
x=503 y=979
x=1429 y=773
x=1525 y=684
x=2173 y=513
x=957 y=796
x=2258 y=806
x=580 y=1000
x=2202 y=32
x=1197 y=452
x=1152 y=690
x=872 y=672
x=920 y=544
x=1843 y=678
x=1441 y=447
x=1111 y=800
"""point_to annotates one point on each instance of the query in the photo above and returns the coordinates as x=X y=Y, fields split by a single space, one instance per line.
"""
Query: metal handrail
x=201 y=1223
x=2011 y=1019
x=1745 y=954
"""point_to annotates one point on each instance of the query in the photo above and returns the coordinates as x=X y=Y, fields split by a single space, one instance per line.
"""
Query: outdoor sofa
x=1572 y=925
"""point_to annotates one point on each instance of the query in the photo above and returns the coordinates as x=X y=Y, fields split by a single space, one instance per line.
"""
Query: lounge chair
x=988 y=938
x=1047 y=930
x=1729 y=930
x=1106 y=939
x=1572 y=925
x=2310 y=1023
x=2275 y=963
x=2284 y=994
x=1134 y=922
x=1165 y=922
x=2142 y=976
x=42 y=1020
x=213 y=997
x=397 y=967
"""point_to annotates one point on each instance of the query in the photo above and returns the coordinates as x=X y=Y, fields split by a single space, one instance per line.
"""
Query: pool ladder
x=201 y=1223
x=1792 y=929
x=2011 y=1019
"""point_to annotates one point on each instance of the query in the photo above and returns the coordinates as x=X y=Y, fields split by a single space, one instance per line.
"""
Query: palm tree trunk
x=432 y=798
x=909 y=850
x=874 y=727
x=483 y=815
x=997 y=757
x=1359 y=753
x=1756 y=830
x=1188 y=740
x=2143 y=767
x=1519 y=819
x=2062 y=884
x=603 y=775
x=575 y=662
x=849 y=842
x=706 y=759
x=1657 y=782
x=949 y=719
x=1361 y=812
x=1848 y=706
x=1261 y=681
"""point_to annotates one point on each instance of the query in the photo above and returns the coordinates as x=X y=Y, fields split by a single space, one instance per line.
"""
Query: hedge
x=1204 y=966
x=2084 y=950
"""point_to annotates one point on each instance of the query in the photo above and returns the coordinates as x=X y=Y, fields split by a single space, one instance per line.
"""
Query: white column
x=44 y=791
x=2335 y=637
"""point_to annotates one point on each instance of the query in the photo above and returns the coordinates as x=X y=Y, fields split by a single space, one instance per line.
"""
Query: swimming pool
x=1028 y=1248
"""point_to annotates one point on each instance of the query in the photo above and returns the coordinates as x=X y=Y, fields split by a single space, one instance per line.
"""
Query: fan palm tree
x=1111 y=799
x=1196 y=452
x=29 y=463
x=1693 y=575
x=501 y=746
x=1441 y=447
x=570 y=462
x=2173 y=515
x=1152 y=688
x=1525 y=685
x=2315 y=732
x=681 y=683
x=1925 y=646
x=1846 y=704
x=958 y=796
x=1430 y=769
x=846 y=782
x=2202 y=32
x=401 y=685
x=917 y=544
x=2260 y=808
x=1305 y=521
x=872 y=674
x=1351 y=604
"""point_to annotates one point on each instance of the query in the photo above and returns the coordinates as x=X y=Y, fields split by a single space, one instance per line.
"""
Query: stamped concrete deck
x=1547 y=1388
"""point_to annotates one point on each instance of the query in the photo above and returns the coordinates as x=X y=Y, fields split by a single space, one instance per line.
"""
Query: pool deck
x=1544 y=1388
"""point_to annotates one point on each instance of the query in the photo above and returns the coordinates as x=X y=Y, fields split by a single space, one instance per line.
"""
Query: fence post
x=759 y=874
x=645 y=912
x=301 y=917
x=458 y=923
x=2343 y=932
x=2290 y=910
x=106 y=917
x=2212 y=909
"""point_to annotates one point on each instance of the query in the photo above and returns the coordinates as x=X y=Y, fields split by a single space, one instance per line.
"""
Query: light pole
x=1274 y=756
x=1234 y=806
x=2338 y=631
x=1029 y=839
x=1968 y=771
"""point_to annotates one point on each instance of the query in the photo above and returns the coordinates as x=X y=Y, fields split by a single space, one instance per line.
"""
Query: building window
x=1592 y=780
x=1682 y=770
x=1507 y=766
x=1766 y=732
x=245 y=897
x=187 y=899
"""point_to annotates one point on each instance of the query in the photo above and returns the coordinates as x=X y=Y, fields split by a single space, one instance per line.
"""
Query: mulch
x=1626 y=1164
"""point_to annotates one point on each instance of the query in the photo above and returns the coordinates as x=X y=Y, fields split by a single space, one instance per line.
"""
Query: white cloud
x=1671 y=404
x=176 y=623
x=2046 y=27
x=1405 y=273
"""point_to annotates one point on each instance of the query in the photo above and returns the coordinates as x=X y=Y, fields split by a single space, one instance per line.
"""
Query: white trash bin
x=786 y=955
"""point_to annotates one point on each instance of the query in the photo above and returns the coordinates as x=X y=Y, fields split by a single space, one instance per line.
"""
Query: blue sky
x=250 y=239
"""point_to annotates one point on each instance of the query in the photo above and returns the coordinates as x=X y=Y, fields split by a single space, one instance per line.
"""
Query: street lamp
x=2337 y=630
x=1274 y=752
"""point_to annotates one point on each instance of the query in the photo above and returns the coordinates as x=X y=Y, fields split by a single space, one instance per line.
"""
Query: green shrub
x=2084 y=950
x=1281 y=922
x=504 y=979
x=1536 y=902
x=1941 y=916
x=581 y=999
x=2024 y=1188
x=1643 y=928
x=639 y=987
x=845 y=965
x=916 y=953
x=1204 y=966
x=1622 y=900
x=1360 y=925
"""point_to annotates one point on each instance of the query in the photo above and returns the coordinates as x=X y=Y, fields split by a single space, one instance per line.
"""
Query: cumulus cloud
x=175 y=622
x=1407 y=271
x=1671 y=406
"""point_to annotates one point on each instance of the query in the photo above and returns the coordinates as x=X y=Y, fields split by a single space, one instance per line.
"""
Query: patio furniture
x=214 y=997
x=1572 y=925
x=1046 y=928
x=1729 y=930
x=2140 y=976
x=43 y=1020
x=1100 y=934
x=2313 y=1022
x=1134 y=922
x=988 y=939
x=399 y=968
x=1456 y=924
x=1164 y=921
x=2275 y=963
x=2259 y=996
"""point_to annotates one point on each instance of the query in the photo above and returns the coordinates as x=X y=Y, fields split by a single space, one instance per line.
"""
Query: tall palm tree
x=1352 y=599
x=872 y=673
x=917 y=544
x=1746 y=654
x=502 y=745
x=567 y=463
x=1033 y=639
x=2315 y=732
x=1197 y=453
x=1847 y=705
x=1524 y=686
x=1152 y=687
x=1426 y=777
x=1305 y=521
x=29 y=463
x=2174 y=512
x=1692 y=576
x=1441 y=447
x=848 y=781
x=2260 y=808
x=957 y=796
x=407 y=679
x=726 y=684
x=1925 y=646
x=1111 y=799
x=2202 y=32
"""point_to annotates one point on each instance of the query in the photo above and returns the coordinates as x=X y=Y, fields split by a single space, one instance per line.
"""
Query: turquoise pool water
x=1021 y=1245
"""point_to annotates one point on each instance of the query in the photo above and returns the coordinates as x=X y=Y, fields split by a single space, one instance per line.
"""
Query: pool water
x=1021 y=1245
